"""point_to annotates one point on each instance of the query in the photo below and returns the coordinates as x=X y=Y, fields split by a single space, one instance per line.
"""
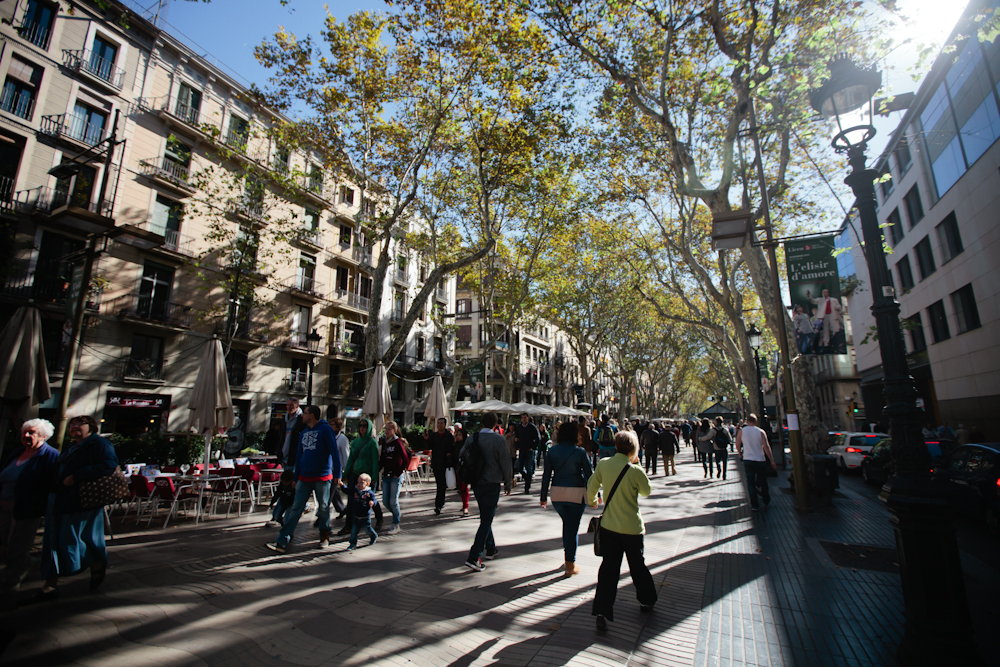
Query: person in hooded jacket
x=393 y=461
x=317 y=468
x=363 y=458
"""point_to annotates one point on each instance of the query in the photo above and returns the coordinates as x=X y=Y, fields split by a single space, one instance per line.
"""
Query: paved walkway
x=734 y=590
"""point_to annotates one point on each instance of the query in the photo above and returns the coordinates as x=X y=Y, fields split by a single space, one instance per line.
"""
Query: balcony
x=352 y=300
x=441 y=295
x=36 y=34
x=42 y=289
x=181 y=116
x=146 y=309
x=295 y=382
x=248 y=210
x=364 y=257
x=140 y=370
x=74 y=129
x=236 y=140
x=312 y=188
x=258 y=333
x=345 y=350
x=17 y=102
x=463 y=345
x=312 y=238
x=397 y=316
x=6 y=193
x=96 y=69
x=300 y=341
x=174 y=242
x=302 y=285
x=400 y=276
x=165 y=171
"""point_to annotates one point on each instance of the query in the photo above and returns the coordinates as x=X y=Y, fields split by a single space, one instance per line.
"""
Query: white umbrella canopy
x=437 y=402
x=211 y=404
x=23 y=375
x=529 y=408
x=492 y=405
x=378 y=401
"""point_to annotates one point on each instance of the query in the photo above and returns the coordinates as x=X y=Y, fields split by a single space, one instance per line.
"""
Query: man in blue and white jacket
x=317 y=468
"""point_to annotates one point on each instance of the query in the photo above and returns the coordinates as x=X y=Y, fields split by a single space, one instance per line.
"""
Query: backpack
x=722 y=437
x=470 y=462
x=607 y=437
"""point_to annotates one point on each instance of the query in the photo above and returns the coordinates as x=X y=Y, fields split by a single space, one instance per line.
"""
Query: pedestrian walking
x=26 y=476
x=291 y=429
x=74 y=536
x=605 y=437
x=490 y=449
x=282 y=499
x=668 y=447
x=363 y=459
x=440 y=442
x=753 y=448
x=722 y=440
x=460 y=486
x=337 y=495
x=649 y=447
x=317 y=468
x=706 y=446
x=393 y=461
x=686 y=432
x=622 y=528
x=360 y=505
x=567 y=467
x=527 y=440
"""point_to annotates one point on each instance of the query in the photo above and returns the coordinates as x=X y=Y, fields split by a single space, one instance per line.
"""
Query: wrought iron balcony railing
x=89 y=62
x=72 y=126
x=17 y=102
x=147 y=307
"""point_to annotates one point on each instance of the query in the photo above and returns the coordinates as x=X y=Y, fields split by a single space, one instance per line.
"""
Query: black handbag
x=595 y=522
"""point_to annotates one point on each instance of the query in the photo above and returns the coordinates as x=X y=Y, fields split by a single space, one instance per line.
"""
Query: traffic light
x=854 y=407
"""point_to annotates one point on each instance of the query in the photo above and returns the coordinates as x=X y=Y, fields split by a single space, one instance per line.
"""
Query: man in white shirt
x=756 y=456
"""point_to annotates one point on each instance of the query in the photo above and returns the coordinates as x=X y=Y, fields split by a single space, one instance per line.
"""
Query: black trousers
x=616 y=545
x=440 y=479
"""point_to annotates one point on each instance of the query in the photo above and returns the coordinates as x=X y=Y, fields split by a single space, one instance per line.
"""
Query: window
x=368 y=207
x=346 y=195
x=245 y=250
x=20 y=88
x=914 y=209
x=307 y=272
x=316 y=179
x=102 y=59
x=253 y=191
x=345 y=236
x=312 y=219
x=918 y=343
x=76 y=190
x=298 y=374
x=86 y=124
x=398 y=305
x=972 y=99
x=342 y=276
x=282 y=159
x=358 y=383
x=895 y=227
x=239 y=133
x=949 y=238
x=335 y=382
x=146 y=358
x=421 y=343
x=395 y=389
x=925 y=258
x=905 y=274
x=188 y=106
x=301 y=323
x=464 y=337
x=166 y=220
x=966 y=311
x=37 y=24
x=939 y=321
x=943 y=145
x=236 y=367
x=886 y=184
x=154 y=292
x=177 y=160
x=902 y=155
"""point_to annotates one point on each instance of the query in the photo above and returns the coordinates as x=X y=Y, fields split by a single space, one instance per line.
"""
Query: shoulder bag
x=103 y=490
x=595 y=522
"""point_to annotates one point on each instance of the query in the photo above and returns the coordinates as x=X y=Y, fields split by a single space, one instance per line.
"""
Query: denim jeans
x=278 y=513
x=616 y=545
x=356 y=527
x=487 y=497
x=526 y=466
x=302 y=492
x=570 y=513
x=390 y=495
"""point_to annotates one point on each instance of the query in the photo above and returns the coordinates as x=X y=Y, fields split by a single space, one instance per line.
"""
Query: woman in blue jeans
x=567 y=467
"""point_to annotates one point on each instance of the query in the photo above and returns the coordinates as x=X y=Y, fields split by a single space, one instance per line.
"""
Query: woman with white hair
x=26 y=477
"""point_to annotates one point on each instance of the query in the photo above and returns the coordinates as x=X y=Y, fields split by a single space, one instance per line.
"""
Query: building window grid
x=925 y=258
x=966 y=311
x=905 y=273
x=949 y=238
x=939 y=321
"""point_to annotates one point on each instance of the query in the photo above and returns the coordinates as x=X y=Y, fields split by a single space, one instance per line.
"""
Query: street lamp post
x=938 y=624
x=755 y=339
x=313 y=339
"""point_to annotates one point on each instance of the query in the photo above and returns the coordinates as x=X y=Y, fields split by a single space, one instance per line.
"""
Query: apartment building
x=117 y=131
x=938 y=206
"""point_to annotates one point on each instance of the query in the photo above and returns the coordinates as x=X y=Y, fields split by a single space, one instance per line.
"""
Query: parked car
x=877 y=467
x=970 y=478
x=850 y=448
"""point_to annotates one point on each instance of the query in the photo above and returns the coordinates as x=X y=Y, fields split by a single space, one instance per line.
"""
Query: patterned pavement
x=734 y=590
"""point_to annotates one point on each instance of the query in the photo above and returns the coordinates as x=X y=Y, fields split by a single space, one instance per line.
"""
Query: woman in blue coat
x=26 y=477
x=567 y=467
x=74 y=536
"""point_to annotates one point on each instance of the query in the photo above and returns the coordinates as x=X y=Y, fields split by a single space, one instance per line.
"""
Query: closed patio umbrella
x=211 y=404
x=24 y=379
x=378 y=401
x=437 y=402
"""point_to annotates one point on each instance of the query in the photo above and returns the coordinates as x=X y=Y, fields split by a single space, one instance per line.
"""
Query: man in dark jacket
x=440 y=443
x=649 y=445
x=527 y=439
x=496 y=471
x=291 y=431
x=317 y=468
x=669 y=446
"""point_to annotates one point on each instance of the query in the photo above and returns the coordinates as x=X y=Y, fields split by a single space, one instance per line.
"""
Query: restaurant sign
x=148 y=401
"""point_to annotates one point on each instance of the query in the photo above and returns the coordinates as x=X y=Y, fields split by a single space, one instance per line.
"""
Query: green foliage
x=158 y=448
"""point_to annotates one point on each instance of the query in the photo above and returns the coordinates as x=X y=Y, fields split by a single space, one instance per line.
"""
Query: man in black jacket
x=441 y=443
x=291 y=428
x=527 y=439
x=669 y=445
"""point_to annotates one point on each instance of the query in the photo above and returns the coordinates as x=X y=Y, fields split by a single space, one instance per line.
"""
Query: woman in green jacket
x=621 y=527
x=363 y=458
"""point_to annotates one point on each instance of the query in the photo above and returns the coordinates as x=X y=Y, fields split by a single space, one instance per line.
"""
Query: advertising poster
x=814 y=285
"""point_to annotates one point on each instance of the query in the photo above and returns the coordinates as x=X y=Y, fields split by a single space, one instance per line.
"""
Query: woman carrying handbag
x=621 y=528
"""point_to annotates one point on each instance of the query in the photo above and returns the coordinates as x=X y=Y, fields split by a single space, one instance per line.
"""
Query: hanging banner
x=814 y=286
